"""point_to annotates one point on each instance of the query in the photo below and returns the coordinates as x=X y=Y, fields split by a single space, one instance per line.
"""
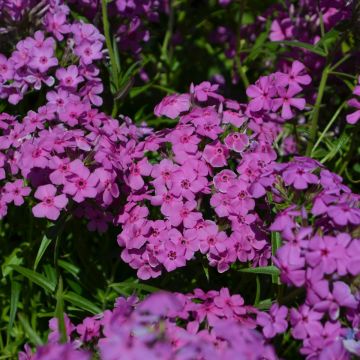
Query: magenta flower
x=216 y=154
x=305 y=322
x=183 y=213
x=15 y=191
x=50 y=205
x=223 y=180
x=299 y=176
x=89 y=51
x=43 y=59
x=205 y=90
x=236 y=141
x=172 y=105
x=273 y=323
x=172 y=256
x=354 y=117
x=342 y=214
x=186 y=183
x=229 y=304
x=88 y=329
x=261 y=93
x=81 y=183
x=69 y=77
x=136 y=171
x=286 y=100
x=294 y=77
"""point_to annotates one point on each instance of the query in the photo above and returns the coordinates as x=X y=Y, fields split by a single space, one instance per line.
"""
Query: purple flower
x=50 y=205
x=286 y=100
x=172 y=105
x=273 y=323
x=261 y=93
x=81 y=183
x=15 y=191
x=216 y=154
x=299 y=176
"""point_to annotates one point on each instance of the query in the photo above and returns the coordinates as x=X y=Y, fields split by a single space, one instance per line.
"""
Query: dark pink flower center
x=49 y=201
x=81 y=183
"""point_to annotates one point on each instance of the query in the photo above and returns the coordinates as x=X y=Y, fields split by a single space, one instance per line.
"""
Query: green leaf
x=45 y=242
x=59 y=311
x=70 y=268
x=10 y=260
x=33 y=336
x=14 y=301
x=275 y=244
x=81 y=303
x=265 y=270
x=264 y=304
x=35 y=277
x=134 y=286
x=302 y=45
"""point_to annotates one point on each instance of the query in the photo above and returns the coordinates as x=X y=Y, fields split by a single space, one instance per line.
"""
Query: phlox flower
x=172 y=105
x=51 y=204
x=274 y=322
x=81 y=184
x=286 y=100
x=216 y=154
x=15 y=192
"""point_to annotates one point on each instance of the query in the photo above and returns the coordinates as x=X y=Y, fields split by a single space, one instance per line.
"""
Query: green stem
x=238 y=63
x=316 y=111
x=327 y=127
x=114 y=69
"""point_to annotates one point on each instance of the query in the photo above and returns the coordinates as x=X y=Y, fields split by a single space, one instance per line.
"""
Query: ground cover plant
x=179 y=179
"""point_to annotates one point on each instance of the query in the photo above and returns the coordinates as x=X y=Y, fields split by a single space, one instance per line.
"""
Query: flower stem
x=114 y=70
x=316 y=111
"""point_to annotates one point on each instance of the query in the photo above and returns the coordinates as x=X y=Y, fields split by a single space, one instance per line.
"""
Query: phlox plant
x=179 y=180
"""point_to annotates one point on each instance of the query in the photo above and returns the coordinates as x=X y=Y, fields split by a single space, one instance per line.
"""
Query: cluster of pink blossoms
x=320 y=254
x=203 y=325
x=205 y=178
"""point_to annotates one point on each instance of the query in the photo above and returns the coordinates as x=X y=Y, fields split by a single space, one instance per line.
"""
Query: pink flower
x=287 y=99
x=43 y=59
x=186 y=183
x=216 y=154
x=205 y=90
x=223 y=180
x=172 y=105
x=51 y=204
x=89 y=51
x=300 y=177
x=15 y=192
x=183 y=213
x=136 y=171
x=273 y=323
x=294 y=77
x=81 y=183
x=69 y=77
x=354 y=117
x=261 y=93
x=236 y=141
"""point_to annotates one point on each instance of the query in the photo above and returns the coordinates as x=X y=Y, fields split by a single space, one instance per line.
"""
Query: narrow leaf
x=45 y=242
x=35 y=277
x=81 y=303
x=33 y=336
x=302 y=45
x=266 y=270
x=59 y=311
x=14 y=301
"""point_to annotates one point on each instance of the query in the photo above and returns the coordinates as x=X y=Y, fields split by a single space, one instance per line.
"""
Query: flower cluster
x=318 y=217
x=209 y=325
x=198 y=194
x=35 y=62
